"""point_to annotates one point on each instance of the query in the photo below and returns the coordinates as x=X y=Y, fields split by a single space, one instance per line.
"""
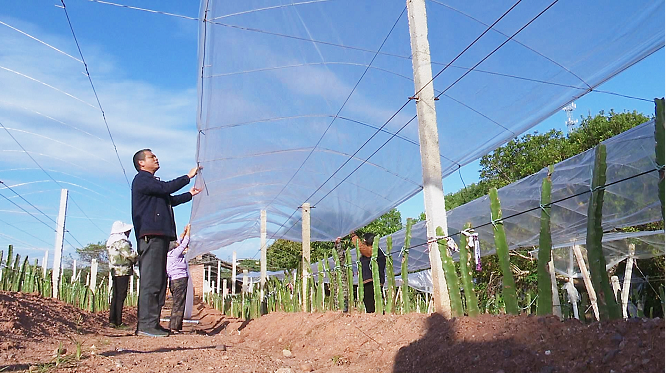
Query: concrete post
x=219 y=265
x=305 y=234
x=60 y=237
x=263 y=255
x=433 y=192
x=44 y=263
x=73 y=279
x=233 y=274
x=93 y=275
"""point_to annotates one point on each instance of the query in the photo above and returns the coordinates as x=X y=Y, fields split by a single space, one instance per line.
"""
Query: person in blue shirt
x=154 y=225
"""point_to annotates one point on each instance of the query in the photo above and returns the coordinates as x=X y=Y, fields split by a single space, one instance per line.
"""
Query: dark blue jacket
x=152 y=202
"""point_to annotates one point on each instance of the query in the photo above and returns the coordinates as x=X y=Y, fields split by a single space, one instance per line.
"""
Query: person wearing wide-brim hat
x=121 y=265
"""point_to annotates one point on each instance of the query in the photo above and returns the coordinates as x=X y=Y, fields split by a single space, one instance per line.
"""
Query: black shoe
x=153 y=333
x=160 y=327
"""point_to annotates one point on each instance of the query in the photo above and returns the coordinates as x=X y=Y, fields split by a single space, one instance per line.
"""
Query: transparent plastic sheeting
x=615 y=246
x=627 y=203
x=280 y=126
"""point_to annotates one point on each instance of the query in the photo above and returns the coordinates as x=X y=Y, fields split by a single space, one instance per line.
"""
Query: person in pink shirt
x=178 y=276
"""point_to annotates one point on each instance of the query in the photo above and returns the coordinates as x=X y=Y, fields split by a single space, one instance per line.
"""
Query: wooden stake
x=628 y=270
x=433 y=191
x=557 y=309
x=586 y=279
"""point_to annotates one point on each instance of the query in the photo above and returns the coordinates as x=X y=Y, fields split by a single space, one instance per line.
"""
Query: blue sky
x=144 y=68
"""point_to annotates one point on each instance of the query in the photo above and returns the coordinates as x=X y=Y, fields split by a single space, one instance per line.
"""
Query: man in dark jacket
x=154 y=225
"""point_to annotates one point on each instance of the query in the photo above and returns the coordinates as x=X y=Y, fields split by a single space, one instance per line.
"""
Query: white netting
x=280 y=126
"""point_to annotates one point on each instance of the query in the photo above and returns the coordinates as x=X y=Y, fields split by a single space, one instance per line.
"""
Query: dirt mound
x=325 y=342
x=29 y=317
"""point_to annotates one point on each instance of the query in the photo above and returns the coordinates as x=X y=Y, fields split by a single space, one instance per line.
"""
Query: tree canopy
x=285 y=254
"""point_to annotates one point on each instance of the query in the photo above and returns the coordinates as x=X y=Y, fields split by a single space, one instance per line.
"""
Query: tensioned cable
x=387 y=54
x=27 y=212
x=253 y=29
x=41 y=41
x=94 y=91
x=391 y=118
x=48 y=85
x=35 y=207
x=333 y=120
x=457 y=80
x=516 y=41
x=269 y=8
x=28 y=233
x=49 y=175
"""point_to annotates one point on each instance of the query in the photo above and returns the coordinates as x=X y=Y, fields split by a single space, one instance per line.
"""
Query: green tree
x=530 y=153
x=285 y=254
x=94 y=251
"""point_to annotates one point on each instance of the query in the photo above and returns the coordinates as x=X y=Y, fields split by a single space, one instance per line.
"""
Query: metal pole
x=60 y=236
x=433 y=192
x=263 y=254
x=305 y=234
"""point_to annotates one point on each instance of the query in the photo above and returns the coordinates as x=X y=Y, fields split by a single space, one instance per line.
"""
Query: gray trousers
x=152 y=288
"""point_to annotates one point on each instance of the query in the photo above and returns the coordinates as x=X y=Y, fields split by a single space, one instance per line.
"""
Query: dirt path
x=32 y=328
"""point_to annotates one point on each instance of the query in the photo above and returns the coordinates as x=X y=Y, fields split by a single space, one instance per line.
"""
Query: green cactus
x=390 y=274
x=359 y=288
x=608 y=307
x=320 y=287
x=403 y=267
x=376 y=284
x=466 y=276
x=545 y=300
x=338 y=277
x=508 y=283
x=452 y=282
x=659 y=146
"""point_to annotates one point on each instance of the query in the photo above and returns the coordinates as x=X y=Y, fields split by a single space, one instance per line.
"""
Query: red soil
x=32 y=328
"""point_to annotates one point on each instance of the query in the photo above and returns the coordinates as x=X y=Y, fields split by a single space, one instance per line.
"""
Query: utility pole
x=433 y=192
x=60 y=237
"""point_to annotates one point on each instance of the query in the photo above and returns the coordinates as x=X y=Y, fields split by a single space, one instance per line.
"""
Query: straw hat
x=120 y=227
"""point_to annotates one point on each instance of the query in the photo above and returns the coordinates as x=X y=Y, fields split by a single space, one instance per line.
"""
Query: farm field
x=33 y=328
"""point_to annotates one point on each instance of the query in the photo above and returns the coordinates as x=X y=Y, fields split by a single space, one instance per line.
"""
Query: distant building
x=206 y=264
